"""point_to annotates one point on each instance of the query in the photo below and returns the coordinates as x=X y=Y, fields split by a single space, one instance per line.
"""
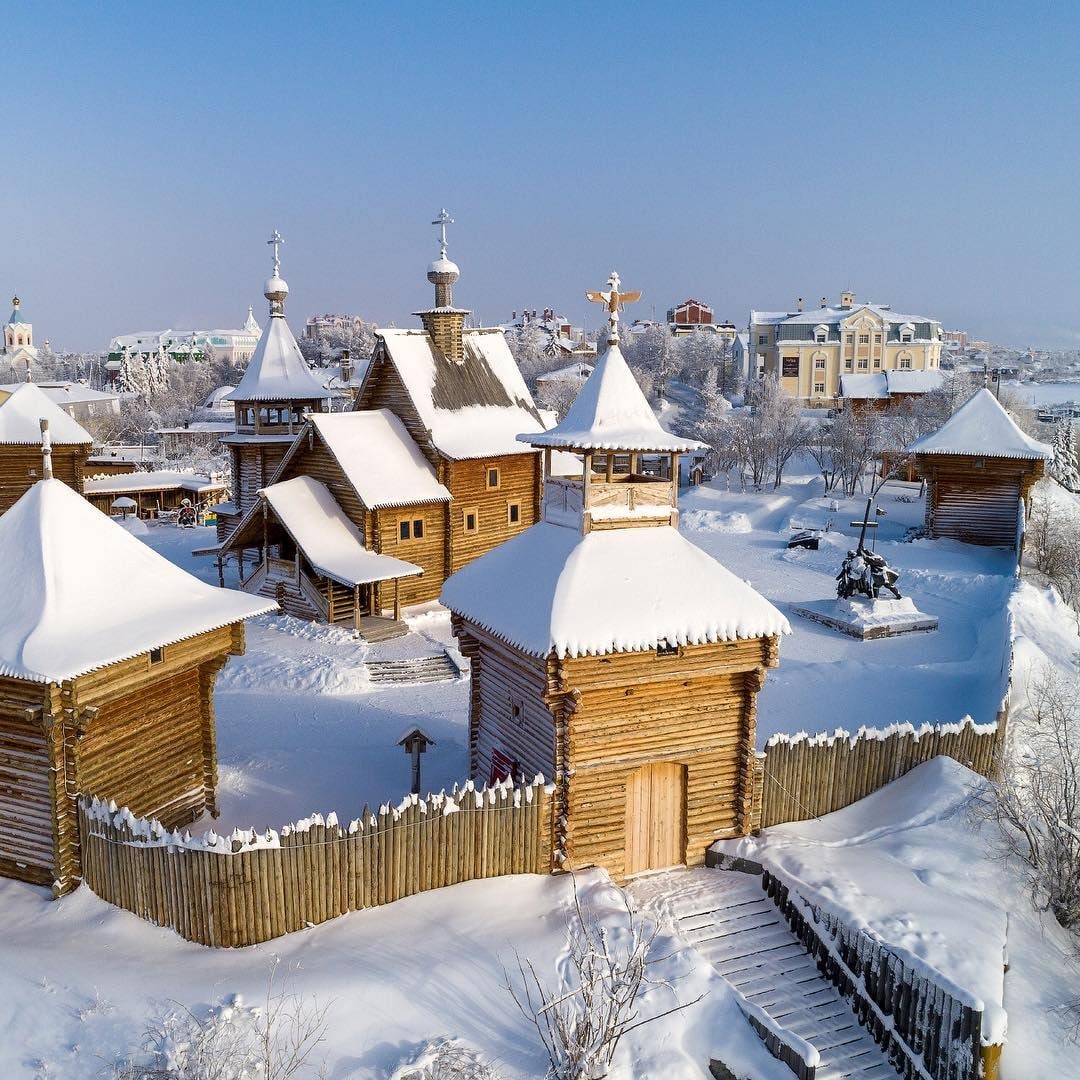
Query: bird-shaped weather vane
x=614 y=301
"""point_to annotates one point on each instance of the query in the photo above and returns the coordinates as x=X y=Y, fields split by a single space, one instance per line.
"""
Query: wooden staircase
x=424 y=669
x=727 y=918
x=288 y=594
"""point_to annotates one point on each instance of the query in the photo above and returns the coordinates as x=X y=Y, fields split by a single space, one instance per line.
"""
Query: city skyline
x=743 y=155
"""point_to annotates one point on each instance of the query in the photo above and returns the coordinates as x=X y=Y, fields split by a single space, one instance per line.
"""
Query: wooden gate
x=26 y=815
x=656 y=817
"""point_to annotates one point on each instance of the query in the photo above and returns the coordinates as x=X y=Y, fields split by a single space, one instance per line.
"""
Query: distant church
x=18 y=338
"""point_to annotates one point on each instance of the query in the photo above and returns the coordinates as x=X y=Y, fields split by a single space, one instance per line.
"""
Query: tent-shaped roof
x=277 y=370
x=610 y=413
x=379 y=458
x=84 y=593
x=21 y=415
x=552 y=589
x=981 y=428
x=329 y=540
x=473 y=409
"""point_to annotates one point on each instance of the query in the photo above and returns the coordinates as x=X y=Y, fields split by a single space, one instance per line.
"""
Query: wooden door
x=656 y=817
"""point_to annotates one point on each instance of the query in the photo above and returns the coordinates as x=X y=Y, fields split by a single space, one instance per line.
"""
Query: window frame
x=466 y=511
x=488 y=470
x=511 y=506
x=157 y=656
x=411 y=528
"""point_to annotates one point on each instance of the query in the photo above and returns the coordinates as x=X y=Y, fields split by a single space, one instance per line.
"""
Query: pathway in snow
x=727 y=918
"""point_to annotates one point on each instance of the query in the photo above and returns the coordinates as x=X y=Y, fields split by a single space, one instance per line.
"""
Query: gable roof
x=21 y=415
x=863 y=387
x=472 y=409
x=551 y=589
x=379 y=458
x=277 y=370
x=329 y=540
x=610 y=413
x=84 y=593
x=981 y=428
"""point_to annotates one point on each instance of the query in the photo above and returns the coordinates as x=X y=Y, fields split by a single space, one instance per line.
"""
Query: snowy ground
x=79 y=979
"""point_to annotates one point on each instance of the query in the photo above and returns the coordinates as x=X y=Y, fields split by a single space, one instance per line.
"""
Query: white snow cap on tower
x=84 y=593
x=981 y=428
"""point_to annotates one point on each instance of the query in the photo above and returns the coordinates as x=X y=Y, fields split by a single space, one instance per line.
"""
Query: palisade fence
x=799 y=777
x=251 y=887
x=925 y=1023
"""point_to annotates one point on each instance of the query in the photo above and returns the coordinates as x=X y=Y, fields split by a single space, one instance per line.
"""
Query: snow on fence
x=927 y=1025
x=802 y=776
x=251 y=887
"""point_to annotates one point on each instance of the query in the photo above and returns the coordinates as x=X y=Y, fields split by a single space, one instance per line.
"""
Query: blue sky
x=746 y=153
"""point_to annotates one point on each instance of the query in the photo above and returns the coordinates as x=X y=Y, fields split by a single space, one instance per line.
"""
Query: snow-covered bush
x=1037 y=794
x=581 y=1020
x=1052 y=544
x=446 y=1059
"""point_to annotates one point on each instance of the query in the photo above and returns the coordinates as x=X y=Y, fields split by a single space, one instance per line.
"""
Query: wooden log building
x=610 y=653
x=108 y=656
x=426 y=470
x=21 y=416
x=979 y=468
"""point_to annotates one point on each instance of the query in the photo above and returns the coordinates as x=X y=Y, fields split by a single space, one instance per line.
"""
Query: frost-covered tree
x=1065 y=469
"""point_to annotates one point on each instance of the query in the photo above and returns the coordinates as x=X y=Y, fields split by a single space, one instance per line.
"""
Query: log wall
x=251 y=888
x=975 y=499
x=519 y=481
x=804 y=777
x=21 y=468
x=428 y=552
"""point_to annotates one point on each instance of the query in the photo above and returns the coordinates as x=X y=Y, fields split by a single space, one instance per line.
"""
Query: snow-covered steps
x=424 y=669
x=289 y=596
x=727 y=917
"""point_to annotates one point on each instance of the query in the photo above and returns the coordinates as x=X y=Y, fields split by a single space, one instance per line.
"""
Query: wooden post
x=356 y=607
x=220 y=573
x=397 y=599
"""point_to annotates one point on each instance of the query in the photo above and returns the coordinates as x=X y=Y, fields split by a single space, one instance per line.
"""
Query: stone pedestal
x=868 y=619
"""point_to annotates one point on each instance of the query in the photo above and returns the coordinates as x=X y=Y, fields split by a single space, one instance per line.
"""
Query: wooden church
x=22 y=414
x=610 y=653
x=108 y=657
x=979 y=467
x=370 y=510
x=274 y=397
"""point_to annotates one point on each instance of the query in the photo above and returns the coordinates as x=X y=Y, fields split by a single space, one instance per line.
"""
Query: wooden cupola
x=444 y=322
x=630 y=464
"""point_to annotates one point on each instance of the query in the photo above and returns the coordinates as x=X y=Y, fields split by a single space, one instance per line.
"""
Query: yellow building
x=809 y=351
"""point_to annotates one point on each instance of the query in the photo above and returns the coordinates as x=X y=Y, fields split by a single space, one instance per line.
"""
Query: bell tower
x=18 y=333
x=444 y=322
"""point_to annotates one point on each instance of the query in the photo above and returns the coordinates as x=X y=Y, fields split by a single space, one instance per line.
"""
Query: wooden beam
x=397 y=599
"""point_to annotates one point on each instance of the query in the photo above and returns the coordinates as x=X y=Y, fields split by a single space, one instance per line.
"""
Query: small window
x=517 y=709
x=877 y=339
x=157 y=656
x=492 y=478
x=404 y=530
x=863 y=363
x=905 y=363
x=470 y=520
x=763 y=339
x=819 y=337
x=864 y=339
x=849 y=339
x=665 y=648
x=819 y=363
x=819 y=388
x=418 y=529
x=847 y=363
x=513 y=513
x=877 y=361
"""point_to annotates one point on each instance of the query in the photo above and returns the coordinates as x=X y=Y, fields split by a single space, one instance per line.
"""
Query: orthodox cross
x=865 y=524
x=275 y=239
x=442 y=220
x=613 y=300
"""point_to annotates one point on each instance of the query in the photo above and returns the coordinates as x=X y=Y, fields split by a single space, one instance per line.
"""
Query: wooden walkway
x=729 y=920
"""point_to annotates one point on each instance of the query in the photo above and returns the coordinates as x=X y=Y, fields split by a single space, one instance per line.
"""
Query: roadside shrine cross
x=443 y=219
x=275 y=239
x=614 y=301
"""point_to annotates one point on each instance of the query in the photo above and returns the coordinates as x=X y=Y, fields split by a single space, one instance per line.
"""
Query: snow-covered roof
x=863 y=387
x=21 y=415
x=905 y=381
x=329 y=540
x=277 y=370
x=379 y=458
x=830 y=316
x=83 y=593
x=473 y=409
x=610 y=413
x=64 y=393
x=552 y=589
x=219 y=398
x=981 y=428
x=579 y=370
x=162 y=480
x=219 y=427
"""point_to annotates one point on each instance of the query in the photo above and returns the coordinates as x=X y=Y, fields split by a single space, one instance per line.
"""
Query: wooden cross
x=275 y=239
x=614 y=301
x=866 y=523
x=443 y=219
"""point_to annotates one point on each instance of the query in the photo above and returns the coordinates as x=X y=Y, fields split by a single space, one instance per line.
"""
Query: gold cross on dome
x=614 y=301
